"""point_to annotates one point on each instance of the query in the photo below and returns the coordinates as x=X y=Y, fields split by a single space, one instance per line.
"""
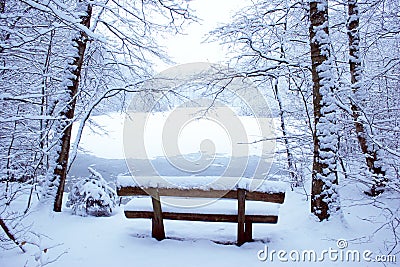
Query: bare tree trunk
x=294 y=177
x=44 y=104
x=324 y=198
x=10 y=175
x=290 y=161
x=367 y=147
x=73 y=74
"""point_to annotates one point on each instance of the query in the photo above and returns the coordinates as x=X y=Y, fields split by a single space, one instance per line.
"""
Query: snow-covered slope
x=117 y=241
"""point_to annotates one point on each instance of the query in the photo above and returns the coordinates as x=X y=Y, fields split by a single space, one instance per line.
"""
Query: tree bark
x=73 y=74
x=290 y=160
x=324 y=198
x=367 y=147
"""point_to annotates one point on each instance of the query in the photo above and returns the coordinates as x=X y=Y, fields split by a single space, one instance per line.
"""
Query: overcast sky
x=189 y=48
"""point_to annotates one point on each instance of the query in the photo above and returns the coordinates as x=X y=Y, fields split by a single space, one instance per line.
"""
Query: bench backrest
x=125 y=188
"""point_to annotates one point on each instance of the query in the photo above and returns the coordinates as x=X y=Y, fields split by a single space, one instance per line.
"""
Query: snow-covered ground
x=117 y=241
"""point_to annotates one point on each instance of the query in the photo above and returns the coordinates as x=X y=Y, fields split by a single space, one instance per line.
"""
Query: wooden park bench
x=198 y=199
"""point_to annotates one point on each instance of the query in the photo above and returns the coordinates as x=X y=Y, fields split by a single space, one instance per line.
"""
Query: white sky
x=110 y=143
x=189 y=48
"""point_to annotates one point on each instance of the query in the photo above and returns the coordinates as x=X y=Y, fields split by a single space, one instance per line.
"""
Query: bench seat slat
x=273 y=219
x=191 y=205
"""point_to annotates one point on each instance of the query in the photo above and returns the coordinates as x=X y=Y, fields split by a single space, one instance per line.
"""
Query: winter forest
x=324 y=76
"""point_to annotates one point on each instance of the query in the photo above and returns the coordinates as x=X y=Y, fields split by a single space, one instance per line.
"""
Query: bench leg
x=157 y=224
x=248 y=231
x=241 y=237
x=157 y=230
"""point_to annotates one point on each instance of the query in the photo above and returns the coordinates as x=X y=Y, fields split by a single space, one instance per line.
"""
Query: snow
x=203 y=183
x=117 y=241
x=364 y=224
x=92 y=196
x=65 y=17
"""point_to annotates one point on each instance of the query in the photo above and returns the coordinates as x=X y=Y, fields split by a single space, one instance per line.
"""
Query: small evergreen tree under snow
x=92 y=196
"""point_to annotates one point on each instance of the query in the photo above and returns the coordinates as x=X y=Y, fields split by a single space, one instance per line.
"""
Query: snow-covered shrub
x=92 y=196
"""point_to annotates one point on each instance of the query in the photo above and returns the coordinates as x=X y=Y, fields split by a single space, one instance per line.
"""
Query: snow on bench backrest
x=205 y=183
